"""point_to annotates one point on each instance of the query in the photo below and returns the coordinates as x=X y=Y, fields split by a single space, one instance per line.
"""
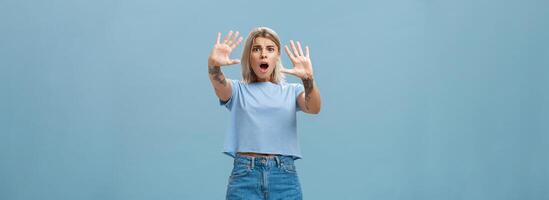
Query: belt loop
x=277 y=161
x=253 y=162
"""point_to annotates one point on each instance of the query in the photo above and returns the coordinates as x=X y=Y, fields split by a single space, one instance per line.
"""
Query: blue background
x=422 y=99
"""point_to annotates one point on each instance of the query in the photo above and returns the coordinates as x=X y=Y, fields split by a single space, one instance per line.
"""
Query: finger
x=293 y=47
x=235 y=36
x=307 y=51
x=218 y=37
x=237 y=43
x=299 y=48
x=227 y=37
x=289 y=53
x=234 y=61
x=233 y=39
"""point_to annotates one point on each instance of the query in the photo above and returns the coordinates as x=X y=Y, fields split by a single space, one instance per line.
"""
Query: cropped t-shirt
x=263 y=118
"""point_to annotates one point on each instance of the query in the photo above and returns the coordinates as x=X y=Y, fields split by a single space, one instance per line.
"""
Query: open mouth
x=263 y=67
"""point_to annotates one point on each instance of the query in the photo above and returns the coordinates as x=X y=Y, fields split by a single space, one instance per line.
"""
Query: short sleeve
x=298 y=89
x=235 y=84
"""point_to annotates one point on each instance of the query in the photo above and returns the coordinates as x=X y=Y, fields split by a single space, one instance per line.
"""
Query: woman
x=263 y=136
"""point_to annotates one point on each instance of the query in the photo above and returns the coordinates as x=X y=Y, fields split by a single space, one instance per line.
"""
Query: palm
x=220 y=54
x=303 y=67
x=222 y=50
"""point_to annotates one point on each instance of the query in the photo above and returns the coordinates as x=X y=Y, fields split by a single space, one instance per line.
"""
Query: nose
x=263 y=54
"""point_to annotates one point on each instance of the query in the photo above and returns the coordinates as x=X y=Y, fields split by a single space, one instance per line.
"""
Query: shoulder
x=236 y=83
x=295 y=86
x=288 y=85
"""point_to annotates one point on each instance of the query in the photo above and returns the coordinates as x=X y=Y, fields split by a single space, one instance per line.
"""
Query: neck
x=263 y=80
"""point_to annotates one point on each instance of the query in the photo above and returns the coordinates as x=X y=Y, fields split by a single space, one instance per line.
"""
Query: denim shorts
x=263 y=178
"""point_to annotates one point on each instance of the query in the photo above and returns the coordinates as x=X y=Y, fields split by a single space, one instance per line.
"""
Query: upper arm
x=224 y=93
x=228 y=100
x=301 y=101
x=300 y=98
x=308 y=104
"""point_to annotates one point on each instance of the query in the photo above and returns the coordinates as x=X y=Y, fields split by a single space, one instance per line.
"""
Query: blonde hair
x=248 y=74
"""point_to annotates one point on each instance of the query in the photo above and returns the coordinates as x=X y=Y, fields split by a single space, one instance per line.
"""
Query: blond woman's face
x=263 y=58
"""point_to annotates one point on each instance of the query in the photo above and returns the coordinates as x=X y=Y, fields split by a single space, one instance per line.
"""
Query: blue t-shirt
x=263 y=118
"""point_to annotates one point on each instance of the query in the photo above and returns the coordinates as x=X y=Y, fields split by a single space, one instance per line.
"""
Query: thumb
x=287 y=71
x=234 y=61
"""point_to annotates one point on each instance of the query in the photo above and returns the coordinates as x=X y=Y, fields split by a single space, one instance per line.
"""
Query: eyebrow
x=260 y=46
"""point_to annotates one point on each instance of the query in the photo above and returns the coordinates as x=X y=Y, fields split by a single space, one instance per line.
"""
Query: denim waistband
x=264 y=161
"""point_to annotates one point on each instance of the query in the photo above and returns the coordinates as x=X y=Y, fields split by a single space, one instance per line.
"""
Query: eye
x=255 y=49
x=271 y=49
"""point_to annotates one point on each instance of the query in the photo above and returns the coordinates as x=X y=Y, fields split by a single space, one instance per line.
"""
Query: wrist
x=307 y=77
x=212 y=63
x=210 y=66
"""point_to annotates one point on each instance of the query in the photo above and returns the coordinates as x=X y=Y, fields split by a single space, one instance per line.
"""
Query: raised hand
x=221 y=50
x=303 y=68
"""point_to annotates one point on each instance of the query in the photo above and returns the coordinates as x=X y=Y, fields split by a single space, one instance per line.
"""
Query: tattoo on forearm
x=217 y=75
x=308 y=84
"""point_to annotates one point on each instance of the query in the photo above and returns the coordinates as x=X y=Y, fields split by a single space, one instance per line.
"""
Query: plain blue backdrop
x=422 y=99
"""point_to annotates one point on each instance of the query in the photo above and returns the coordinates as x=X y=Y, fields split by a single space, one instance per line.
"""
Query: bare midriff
x=252 y=154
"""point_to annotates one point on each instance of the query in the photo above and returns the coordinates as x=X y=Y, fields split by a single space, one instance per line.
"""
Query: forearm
x=221 y=86
x=312 y=95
